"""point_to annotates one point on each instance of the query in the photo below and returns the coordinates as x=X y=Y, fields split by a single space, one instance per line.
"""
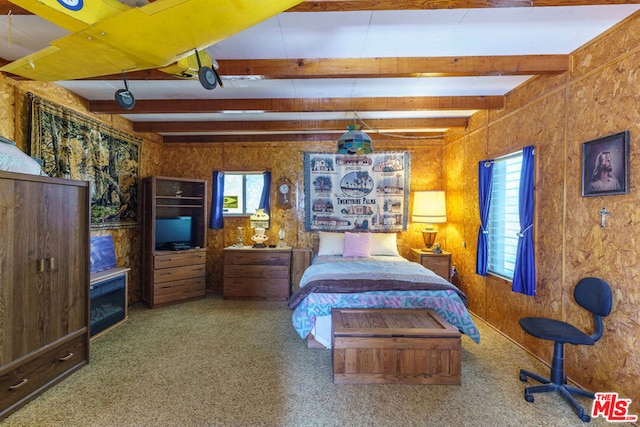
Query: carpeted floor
x=217 y=362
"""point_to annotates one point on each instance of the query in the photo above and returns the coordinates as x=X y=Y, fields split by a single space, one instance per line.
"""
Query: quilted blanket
x=376 y=282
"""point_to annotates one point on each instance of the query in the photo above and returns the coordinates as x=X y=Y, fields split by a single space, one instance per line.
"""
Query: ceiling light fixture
x=354 y=140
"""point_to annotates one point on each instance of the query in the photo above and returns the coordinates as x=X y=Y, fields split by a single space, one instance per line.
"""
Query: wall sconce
x=429 y=208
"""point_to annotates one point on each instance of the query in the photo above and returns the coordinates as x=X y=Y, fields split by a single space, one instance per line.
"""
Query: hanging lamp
x=354 y=140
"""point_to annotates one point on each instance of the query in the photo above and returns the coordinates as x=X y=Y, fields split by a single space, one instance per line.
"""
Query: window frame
x=245 y=210
x=508 y=245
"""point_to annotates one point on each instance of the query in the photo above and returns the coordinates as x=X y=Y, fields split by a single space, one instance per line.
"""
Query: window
x=242 y=192
x=504 y=215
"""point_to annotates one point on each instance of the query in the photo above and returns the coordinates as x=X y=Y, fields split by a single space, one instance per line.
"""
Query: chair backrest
x=595 y=295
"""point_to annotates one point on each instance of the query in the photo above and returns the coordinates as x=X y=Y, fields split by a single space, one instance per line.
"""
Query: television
x=174 y=233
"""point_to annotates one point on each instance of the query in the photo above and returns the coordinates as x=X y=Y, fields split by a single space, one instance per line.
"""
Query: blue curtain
x=216 y=220
x=266 y=191
x=485 y=185
x=524 y=274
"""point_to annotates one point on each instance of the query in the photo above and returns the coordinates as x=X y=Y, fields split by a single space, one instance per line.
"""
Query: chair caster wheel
x=585 y=418
x=523 y=378
x=528 y=397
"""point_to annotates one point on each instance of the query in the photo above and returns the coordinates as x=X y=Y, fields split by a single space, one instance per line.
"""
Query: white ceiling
x=355 y=34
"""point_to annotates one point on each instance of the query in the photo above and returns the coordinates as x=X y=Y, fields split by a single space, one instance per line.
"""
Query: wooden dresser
x=173 y=272
x=177 y=276
x=44 y=285
x=262 y=273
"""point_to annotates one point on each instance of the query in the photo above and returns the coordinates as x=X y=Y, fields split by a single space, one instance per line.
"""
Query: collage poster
x=357 y=192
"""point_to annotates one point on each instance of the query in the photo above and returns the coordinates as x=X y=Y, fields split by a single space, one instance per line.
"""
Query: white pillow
x=383 y=244
x=12 y=159
x=330 y=243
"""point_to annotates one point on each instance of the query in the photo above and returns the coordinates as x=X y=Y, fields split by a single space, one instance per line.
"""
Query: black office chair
x=594 y=295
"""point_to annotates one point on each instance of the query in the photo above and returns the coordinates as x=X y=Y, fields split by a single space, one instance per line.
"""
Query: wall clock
x=284 y=193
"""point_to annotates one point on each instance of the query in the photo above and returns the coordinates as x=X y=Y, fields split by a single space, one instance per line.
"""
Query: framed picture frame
x=605 y=165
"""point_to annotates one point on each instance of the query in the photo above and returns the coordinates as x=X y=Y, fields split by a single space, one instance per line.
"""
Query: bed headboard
x=381 y=243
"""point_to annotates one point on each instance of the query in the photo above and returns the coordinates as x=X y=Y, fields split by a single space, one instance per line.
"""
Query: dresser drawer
x=257 y=257
x=30 y=377
x=439 y=265
x=262 y=271
x=178 y=273
x=256 y=288
x=177 y=259
x=179 y=290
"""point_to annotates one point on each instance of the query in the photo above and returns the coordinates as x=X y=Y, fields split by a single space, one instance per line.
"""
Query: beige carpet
x=215 y=362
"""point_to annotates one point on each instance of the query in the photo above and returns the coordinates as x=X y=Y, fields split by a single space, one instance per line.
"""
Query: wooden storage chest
x=411 y=346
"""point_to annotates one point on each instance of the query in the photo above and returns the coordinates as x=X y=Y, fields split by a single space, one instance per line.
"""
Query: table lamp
x=259 y=222
x=429 y=208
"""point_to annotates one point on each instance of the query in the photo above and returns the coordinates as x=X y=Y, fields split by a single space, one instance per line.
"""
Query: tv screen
x=174 y=233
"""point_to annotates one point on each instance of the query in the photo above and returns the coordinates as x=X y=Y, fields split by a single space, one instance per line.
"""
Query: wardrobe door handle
x=18 y=385
x=65 y=358
x=52 y=263
x=40 y=265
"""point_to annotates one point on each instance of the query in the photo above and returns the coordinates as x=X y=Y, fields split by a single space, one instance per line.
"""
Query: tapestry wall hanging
x=76 y=147
x=357 y=192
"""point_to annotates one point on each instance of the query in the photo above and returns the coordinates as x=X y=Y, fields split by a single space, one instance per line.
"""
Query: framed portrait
x=605 y=165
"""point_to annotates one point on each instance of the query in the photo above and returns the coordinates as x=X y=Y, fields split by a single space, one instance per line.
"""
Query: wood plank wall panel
x=474 y=148
x=611 y=252
x=612 y=45
x=541 y=124
x=180 y=161
x=558 y=114
x=286 y=159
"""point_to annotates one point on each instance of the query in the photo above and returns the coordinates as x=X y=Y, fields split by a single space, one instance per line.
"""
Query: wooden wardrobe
x=44 y=284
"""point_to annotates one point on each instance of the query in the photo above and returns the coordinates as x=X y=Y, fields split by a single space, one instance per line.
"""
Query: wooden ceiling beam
x=446 y=66
x=289 y=105
x=331 y=68
x=414 y=138
x=354 y=5
x=302 y=126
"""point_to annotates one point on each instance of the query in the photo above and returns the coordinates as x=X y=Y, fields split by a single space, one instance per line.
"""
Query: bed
x=374 y=276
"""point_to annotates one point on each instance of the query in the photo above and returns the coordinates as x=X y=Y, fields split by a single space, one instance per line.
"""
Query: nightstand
x=260 y=273
x=438 y=263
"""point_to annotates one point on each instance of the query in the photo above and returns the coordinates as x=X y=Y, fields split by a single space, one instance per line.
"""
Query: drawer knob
x=20 y=384
x=65 y=358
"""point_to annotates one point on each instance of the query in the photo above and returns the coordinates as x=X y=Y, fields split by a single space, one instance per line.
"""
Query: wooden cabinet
x=44 y=284
x=174 y=240
x=257 y=273
x=438 y=263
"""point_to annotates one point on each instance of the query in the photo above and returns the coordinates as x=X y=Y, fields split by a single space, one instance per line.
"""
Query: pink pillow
x=356 y=245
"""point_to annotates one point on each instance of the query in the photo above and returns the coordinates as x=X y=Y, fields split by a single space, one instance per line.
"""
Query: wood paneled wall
x=557 y=114
x=286 y=159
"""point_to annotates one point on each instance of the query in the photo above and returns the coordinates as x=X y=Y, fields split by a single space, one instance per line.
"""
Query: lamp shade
x=355 y=141
x=429 y=207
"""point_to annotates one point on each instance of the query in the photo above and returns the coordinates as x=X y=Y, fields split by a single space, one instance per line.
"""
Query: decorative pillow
x=356 y=245
x=330 y=243
x=384 y=244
